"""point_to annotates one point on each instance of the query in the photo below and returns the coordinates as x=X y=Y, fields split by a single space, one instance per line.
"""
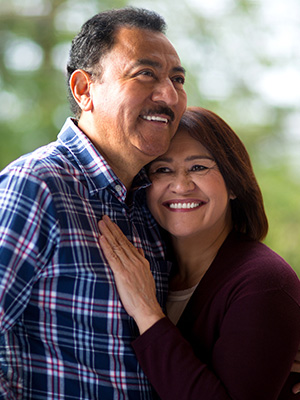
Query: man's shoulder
x=49 y=169
x=48 y=160
x=54 y=156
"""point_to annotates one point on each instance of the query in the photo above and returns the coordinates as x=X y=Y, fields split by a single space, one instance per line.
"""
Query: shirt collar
x=98 y=173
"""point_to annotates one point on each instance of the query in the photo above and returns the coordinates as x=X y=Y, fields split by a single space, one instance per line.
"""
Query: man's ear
x=80 y=82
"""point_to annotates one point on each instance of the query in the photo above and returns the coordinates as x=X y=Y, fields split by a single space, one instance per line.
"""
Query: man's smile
x=155 y=118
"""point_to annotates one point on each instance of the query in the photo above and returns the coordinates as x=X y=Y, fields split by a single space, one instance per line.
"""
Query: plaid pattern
x=64 y=332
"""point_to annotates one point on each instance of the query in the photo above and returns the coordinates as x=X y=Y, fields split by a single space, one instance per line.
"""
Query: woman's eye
x=199 y=168
x=161 y=170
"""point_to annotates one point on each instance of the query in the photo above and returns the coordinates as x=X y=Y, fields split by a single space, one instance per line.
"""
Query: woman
x=235 y=301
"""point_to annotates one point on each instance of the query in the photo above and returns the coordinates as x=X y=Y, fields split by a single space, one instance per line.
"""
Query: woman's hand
x=132 y=274
x=296 y=368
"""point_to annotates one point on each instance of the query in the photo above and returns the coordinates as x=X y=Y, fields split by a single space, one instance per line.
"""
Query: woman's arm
x=296 y=368
x=242 y=366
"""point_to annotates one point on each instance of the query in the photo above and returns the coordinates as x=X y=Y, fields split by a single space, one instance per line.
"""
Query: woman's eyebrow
x=160 y=159
x=199 y=157
x=189 y=158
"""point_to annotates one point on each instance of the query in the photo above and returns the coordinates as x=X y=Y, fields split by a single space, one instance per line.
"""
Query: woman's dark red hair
x=232 y=158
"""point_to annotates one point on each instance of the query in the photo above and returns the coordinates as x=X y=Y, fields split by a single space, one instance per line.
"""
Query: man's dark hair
x=97 y=35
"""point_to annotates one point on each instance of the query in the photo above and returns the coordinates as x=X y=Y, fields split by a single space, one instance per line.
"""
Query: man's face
x=138 y=100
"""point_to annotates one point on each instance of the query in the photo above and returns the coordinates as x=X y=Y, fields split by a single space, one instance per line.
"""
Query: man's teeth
x=184 y=205
x=155 y=118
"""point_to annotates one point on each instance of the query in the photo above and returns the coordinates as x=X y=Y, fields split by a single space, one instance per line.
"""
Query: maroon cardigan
x=238 y=335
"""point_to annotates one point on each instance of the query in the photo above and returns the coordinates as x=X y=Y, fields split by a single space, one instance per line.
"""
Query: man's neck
x=124 y=168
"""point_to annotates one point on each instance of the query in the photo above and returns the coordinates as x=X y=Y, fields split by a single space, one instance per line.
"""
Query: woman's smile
x=183 y=205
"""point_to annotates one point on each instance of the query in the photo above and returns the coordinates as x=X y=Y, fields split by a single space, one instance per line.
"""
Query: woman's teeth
x=184 y=205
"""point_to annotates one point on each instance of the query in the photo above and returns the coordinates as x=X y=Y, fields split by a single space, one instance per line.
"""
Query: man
x=65 y=333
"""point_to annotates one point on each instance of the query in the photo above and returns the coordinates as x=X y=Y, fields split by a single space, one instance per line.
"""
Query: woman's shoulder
x=253 y=264
x=244 y=250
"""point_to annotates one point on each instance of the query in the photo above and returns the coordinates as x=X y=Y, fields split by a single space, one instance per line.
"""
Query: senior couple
x=124 y=282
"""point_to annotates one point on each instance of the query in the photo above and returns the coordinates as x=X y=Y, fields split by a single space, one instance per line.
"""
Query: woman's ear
x=80 y=83
x=232 y=196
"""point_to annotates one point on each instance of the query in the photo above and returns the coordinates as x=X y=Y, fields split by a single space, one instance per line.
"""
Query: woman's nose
x=182 y=183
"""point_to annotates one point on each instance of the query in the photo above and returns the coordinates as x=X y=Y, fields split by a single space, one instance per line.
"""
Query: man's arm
x=26 y=234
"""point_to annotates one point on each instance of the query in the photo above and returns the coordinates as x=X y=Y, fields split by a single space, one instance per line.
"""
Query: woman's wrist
x=145 y=322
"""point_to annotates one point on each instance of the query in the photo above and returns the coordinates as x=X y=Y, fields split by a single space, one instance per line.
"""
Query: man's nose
x=164 y=91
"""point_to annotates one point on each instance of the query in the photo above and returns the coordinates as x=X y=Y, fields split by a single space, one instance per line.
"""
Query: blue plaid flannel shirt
x=65 y=334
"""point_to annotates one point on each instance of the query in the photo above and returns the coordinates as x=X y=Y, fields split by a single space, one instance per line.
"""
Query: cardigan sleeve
x=171 y=366
x=251 y=358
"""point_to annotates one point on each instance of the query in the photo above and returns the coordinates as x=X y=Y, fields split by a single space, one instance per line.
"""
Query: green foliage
x=34 y=98
x=281 y=196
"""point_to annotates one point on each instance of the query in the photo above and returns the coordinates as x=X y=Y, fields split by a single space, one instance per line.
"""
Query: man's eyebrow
x=179 y=69
x=156 y=64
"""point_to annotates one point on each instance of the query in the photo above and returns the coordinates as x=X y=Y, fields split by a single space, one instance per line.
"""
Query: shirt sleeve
x=28 y=233
x=251 y=358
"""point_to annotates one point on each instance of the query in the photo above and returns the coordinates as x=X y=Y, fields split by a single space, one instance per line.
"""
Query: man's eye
x=146 y=73
x=179 y=79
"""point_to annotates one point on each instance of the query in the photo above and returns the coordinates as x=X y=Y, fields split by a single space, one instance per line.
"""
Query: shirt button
x=118 y=188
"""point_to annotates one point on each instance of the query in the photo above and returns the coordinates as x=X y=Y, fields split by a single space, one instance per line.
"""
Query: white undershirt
x=177 y=301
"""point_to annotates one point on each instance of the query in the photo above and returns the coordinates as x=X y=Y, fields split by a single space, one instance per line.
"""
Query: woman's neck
x=194 y=257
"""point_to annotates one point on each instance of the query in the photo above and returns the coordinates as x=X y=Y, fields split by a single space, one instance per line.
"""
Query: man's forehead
x=140 y=38
x=146 y=47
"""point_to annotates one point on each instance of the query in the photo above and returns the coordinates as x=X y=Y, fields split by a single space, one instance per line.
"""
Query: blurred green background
x=242 y=59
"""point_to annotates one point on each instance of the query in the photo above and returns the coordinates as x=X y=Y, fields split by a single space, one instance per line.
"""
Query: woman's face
x=188 y=195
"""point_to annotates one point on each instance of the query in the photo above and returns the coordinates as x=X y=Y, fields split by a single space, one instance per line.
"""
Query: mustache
x=161 y=110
